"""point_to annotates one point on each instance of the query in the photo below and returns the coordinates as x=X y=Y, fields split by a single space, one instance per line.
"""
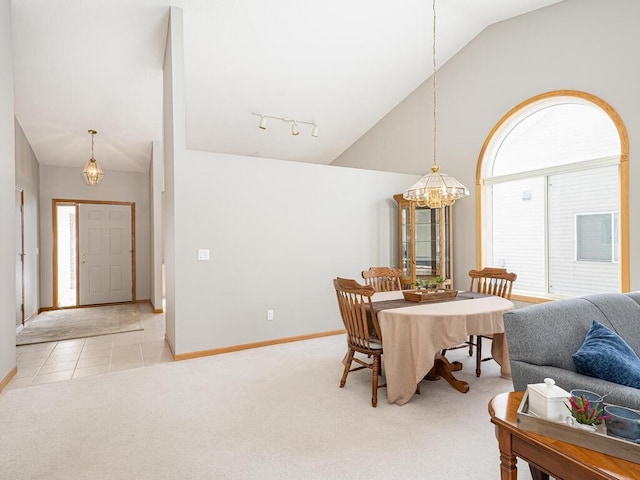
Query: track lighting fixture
x=295 y=130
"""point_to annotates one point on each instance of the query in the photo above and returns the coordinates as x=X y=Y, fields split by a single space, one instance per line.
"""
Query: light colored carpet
x=58 y=325
x=268 y=413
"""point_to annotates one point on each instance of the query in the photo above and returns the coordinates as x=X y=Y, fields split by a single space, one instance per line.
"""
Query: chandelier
x=92 y=173
x=435 y=189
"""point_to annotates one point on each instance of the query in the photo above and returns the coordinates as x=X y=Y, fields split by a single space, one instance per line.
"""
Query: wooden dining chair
x=363 y=331
x=383 y=279
x=490 y=281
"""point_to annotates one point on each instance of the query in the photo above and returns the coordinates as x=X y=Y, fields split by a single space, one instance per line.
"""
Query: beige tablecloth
x=413 y=335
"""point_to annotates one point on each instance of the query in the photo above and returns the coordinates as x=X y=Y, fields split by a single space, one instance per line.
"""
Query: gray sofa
x=542 y=337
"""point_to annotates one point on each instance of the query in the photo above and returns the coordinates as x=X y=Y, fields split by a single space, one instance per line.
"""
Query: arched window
x=553 y=200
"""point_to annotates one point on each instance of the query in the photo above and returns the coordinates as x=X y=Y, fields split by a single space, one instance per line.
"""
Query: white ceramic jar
x=548 y=401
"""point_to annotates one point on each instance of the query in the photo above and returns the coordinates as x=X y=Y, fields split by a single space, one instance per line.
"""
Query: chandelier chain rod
x=433 y=79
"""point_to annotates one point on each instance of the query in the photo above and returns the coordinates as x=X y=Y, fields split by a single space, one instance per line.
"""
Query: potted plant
x=432 y=283
x=586 y=412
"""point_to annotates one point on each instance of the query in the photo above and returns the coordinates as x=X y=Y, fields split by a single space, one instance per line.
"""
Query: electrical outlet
x=269 y=314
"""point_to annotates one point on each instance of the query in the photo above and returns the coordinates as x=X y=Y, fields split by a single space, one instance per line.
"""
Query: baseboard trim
x=153 y=307
x=5 y=381
x=247 y=346
x=156 y=310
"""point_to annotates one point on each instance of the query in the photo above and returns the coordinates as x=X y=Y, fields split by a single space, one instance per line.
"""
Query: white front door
x=104 y=246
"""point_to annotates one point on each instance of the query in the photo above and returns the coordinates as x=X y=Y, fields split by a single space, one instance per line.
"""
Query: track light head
x=294 y=129
x=263 y=123
x=315 y=131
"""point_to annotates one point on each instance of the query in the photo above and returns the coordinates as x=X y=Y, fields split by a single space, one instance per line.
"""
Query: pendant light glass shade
x=92 y=173
x=435 y=189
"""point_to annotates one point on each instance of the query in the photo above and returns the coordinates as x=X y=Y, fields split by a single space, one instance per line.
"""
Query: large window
x=552 y=181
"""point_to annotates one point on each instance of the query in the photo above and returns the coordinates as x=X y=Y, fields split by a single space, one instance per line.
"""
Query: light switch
x=203 y=254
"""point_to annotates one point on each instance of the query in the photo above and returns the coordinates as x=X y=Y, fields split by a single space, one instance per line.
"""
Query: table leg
x=443 y=368
x=508 y=468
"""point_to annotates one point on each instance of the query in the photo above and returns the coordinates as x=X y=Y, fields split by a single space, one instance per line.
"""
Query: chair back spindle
x=358 y=316
x=383 y=279
x=492 y=281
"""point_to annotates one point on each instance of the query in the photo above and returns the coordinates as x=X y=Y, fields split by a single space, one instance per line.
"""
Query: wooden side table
x=548 y=456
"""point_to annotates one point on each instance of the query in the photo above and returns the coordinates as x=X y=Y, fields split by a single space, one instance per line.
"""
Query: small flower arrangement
x=429 y=282
x=584 y=411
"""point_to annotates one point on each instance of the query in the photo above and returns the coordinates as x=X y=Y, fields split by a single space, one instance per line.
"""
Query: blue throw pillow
x=605 y=355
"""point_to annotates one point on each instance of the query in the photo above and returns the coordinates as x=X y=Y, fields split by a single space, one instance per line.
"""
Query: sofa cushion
x=605 y=355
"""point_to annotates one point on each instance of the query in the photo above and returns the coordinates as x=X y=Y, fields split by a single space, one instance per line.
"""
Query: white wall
x=586 y=45
x=7 y=198
x=278 y=232
x=67 y=183
x=28 y=179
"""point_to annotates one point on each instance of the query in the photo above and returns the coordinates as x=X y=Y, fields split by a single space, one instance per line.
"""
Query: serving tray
x=428 y=296
x=593 y=440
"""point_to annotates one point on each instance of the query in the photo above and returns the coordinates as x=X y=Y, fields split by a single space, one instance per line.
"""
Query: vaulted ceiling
x=95 y=64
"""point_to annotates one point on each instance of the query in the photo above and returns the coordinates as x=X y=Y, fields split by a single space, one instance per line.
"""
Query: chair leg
x=374 y=381
x=471 y=345
x=347 y=367
x=478 y=354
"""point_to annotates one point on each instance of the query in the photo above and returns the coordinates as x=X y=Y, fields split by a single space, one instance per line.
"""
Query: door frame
x=54 y=208
x=20 y=250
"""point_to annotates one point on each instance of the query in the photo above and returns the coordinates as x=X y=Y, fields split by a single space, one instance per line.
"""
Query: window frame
x=503 y=128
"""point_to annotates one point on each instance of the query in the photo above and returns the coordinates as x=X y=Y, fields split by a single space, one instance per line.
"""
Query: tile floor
x=69 y=359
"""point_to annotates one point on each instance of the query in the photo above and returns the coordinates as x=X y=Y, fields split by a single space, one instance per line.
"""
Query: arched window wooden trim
x=624 y=180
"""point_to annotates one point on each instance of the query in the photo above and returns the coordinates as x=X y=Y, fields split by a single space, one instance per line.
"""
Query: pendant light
x=92 y=173
x=435 y=189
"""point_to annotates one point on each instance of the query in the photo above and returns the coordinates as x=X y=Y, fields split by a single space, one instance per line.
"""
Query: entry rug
x=58 y=325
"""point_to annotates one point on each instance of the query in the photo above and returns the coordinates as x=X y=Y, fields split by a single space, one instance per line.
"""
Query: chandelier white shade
x=435 y=189
x=92 y=173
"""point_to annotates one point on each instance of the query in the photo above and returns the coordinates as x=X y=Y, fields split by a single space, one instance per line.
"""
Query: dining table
x=416 y=334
